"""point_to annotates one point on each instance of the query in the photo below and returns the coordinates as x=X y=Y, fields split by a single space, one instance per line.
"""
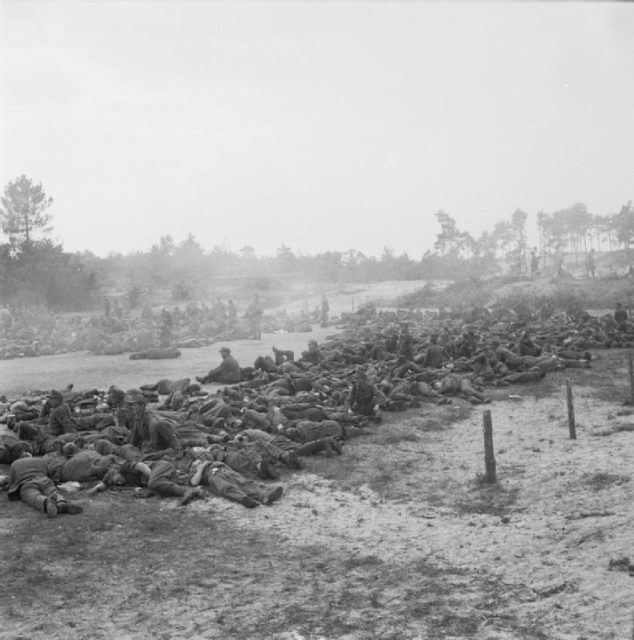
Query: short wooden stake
x=571 y=410
x=631 y=367
x=489 y=455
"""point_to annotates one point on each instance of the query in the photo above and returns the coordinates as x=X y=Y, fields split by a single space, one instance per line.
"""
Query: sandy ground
x=86 y=371
x=535 y=541
x=398 y=538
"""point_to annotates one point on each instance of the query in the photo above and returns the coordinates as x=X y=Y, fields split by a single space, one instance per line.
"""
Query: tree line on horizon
x=36 y=271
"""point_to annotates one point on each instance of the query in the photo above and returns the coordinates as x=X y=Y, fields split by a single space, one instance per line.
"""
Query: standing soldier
x=167 y=324
x=534 y=262
x=254 y=315
x=559 y=265
x=325 y=308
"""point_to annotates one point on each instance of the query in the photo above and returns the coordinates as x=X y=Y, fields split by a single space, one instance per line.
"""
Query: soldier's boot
x=64 y=506
x=268 y=469
x=292 y=459
x=49 y=507
x=313 y=447
x=336 y=446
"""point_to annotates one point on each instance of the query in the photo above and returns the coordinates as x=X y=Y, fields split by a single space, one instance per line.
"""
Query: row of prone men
x=130 y=444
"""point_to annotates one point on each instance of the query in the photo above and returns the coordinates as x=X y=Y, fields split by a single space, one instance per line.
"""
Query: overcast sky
x=324 y=126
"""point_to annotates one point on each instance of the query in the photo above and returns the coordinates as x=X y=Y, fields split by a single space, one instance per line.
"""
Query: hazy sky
x=324 y=126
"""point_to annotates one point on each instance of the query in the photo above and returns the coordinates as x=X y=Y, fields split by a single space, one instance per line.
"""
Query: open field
x=397 y=538
x=87 y=371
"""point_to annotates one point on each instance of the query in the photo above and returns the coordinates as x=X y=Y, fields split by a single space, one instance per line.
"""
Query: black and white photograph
x=316 y=320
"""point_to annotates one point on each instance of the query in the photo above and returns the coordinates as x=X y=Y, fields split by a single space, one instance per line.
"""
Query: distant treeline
x=35 y=271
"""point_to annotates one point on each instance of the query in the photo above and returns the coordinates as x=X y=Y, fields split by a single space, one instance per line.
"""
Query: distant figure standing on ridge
x=559 y=263
x=534 y=262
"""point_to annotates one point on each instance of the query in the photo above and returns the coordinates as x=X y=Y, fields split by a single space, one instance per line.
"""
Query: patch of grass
x=380 y=482
x=362 y=561
x=429 y=568
x=456 y=625
x=489 y=499
x=600 y=480
x=432 y=424
x=100 y=523
x=394 y=437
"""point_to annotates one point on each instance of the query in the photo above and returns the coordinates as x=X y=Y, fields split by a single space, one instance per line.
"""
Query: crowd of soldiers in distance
x=187 y=439
x=152 y=334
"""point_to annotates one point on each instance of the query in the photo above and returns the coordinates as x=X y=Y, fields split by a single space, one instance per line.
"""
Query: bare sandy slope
x=348 y=297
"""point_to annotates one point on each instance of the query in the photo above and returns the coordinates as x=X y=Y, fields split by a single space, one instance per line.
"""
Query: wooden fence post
x=631 y=368
x=571 y=410
x=489 y=455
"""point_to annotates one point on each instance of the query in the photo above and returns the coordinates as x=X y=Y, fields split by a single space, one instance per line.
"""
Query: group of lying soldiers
x=171 y=437
x=145 y=333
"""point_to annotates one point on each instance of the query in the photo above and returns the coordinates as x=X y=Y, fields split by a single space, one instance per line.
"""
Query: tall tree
x=518 y=224
x=624 y=225
x=23 y=211
x=447 y=239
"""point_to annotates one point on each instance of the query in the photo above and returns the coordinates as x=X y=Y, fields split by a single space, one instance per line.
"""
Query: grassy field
x=399 y=538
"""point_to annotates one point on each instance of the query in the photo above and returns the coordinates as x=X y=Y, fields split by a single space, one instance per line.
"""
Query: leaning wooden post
x=631 y=367
x=571 y=410
x=489 y=455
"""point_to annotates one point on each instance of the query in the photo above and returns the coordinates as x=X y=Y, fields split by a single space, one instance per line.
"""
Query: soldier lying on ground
x=160 y=476
x=165 y=386
x=456 y=384
x=12 y=448
x=28 y=481
x=156 y=353
x=247 y=460
x=232 y=485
